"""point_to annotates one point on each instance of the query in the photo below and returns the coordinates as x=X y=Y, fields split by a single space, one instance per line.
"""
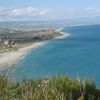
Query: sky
x=16 y=10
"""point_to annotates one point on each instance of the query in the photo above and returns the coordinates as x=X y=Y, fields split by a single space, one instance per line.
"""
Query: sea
x=77 y=55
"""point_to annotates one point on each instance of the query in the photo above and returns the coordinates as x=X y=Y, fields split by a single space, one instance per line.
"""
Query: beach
x=11 y=57
x=64 y=34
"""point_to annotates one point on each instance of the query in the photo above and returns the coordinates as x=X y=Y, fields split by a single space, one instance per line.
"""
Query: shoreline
x=12 y=57
x=64 y=34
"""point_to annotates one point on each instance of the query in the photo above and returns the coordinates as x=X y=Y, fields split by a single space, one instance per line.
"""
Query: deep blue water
x=77 y=54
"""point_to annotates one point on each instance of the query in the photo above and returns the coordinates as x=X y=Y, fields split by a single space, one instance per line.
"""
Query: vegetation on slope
x=12 y=39
x=56 y=88
x=25 y=36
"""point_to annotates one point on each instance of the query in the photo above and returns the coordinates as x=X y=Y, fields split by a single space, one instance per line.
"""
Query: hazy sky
x=47 y=9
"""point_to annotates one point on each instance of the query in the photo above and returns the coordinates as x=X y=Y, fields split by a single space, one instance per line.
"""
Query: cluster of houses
x=6 y=42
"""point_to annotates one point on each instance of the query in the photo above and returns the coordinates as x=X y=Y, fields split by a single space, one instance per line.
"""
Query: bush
x=56 y=88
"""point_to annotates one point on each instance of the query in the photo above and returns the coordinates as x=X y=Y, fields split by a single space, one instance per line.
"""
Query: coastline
x=64 y=34
x=12 y=57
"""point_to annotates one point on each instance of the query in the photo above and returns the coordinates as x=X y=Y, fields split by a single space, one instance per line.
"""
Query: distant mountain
x=51 y=23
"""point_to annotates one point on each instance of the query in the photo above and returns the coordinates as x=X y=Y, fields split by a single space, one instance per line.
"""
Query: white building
x=6 y=42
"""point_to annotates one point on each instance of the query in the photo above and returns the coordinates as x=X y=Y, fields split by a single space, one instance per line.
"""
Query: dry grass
x=56 y=88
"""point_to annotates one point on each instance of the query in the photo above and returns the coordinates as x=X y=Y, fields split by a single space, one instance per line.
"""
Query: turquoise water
x=77 y=54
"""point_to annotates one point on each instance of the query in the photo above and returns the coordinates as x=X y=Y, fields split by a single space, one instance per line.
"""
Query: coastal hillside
x=55 y=88
x=13 y=38
x=49 y=49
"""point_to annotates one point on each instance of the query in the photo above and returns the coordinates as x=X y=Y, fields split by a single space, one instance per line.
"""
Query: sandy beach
x=11 y=57
x=64 y=34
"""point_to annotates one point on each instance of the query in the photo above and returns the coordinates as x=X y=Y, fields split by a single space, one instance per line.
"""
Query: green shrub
x=56 y=88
